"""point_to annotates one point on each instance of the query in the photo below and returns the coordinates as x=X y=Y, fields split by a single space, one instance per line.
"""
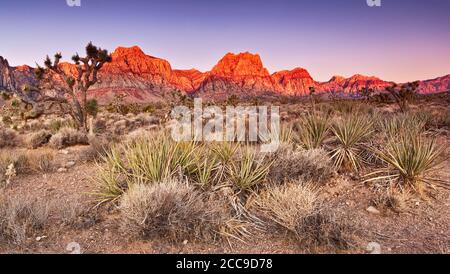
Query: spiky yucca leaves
x=249 y=170
x=402 y=123
x=313 y=129
x=350 y=133
x=155 y=158
x=142 y=160
x=110 y=177
x=224 y=154
x=205 y=169
x=410 y=159
x=284 y=133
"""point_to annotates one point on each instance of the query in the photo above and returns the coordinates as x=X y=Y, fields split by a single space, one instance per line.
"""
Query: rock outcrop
x=6 y=77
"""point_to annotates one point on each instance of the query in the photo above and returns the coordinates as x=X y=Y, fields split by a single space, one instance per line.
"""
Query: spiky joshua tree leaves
x=65 y=90
x=404 y=94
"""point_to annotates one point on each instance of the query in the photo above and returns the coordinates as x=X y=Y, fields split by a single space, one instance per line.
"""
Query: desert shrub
x=92 y=107
x=410 y=160
x=7 y=120
x=98 y=147
x=170 y=209
x=54 y=125
x=8 y=138
x=38 y=139
x=310 y=165
x=350 y=134
x=120 y=127
x=68 y=137
x=312 y=130
x=144 y=119
x=21 y=217
x=100 y=125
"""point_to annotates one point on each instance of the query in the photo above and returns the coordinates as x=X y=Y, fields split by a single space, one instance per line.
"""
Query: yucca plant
x=284 y=134
x=249 y=171
x=402 y=123
x=313 y=130
x=350 y=133
x=409 y=160
x=110 y=177
x=153 y=159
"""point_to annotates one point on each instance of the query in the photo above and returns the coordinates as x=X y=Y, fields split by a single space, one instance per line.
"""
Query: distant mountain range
x=146 y=78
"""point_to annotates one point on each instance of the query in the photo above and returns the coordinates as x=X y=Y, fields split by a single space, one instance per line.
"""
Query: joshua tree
x=366 y=93
x=64 y=91
x=404 y=94
x=312 y=92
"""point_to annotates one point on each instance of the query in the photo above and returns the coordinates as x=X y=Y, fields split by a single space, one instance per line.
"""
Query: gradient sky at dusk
x=403 y=40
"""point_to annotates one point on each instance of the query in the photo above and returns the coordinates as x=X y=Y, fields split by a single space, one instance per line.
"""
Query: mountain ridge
x=145 y=77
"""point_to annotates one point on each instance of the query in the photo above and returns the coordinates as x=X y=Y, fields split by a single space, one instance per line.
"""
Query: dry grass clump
x=323 y=230
x=68 y=137
x=171 y=209
x=26 y=162
x=21 y=217
x=41 y=160
x=309 y=165
x=18 y=159
x=38 y=139
x=392 y=198
x=8 y=138
x=296 y=207
x=287 y=204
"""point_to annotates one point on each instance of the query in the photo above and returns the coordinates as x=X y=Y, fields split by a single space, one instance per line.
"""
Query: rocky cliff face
x=294 y=82
x=6 y=78
x=438 y=84
x=242 y=73
x=15 y=77
x=146 y=78
x=354 y=84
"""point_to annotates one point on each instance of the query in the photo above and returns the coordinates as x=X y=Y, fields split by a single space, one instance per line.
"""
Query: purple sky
x=403 y=40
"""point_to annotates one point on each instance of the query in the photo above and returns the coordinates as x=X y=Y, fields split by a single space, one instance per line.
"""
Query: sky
x=403 y=40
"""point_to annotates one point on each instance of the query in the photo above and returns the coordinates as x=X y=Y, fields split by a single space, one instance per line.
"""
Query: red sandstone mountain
x=294 y=82
x=146 y=78
x=354 y=84
x=243 y=73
